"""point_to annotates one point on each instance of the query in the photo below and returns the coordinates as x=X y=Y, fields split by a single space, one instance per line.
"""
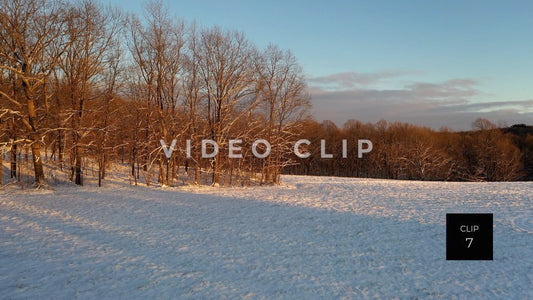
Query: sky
x=430 y=63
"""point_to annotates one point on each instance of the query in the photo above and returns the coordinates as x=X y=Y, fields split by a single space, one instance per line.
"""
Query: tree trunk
x=198 y=168
x=35 y=139
x=37 y=162
x=167 y=179
x=1 y=167
x=60 y=149
x=77 y=167
x=133 y=158
x=104 y=164
x=14 y=161
x=216 y=178
x=99 y=176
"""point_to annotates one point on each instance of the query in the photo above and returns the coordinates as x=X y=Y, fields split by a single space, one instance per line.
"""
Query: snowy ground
x=312 y=237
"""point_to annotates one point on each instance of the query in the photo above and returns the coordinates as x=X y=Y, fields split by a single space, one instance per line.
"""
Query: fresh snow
x=311 y=237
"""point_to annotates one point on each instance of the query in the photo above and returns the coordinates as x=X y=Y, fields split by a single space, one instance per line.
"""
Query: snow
x=311 y=237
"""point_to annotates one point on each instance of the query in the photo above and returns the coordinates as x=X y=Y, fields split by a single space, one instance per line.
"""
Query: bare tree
x=283 y=98
x=494 y=156
x=157 y=50
x=32 y=33
x=192 y=86
x=227 y=73
x=92 y=30
x=111 y=80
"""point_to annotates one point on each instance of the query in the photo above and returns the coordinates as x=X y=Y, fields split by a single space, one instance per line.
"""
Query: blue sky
x=433 y=63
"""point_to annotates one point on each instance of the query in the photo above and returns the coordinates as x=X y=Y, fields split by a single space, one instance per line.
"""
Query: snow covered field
x=311 y=237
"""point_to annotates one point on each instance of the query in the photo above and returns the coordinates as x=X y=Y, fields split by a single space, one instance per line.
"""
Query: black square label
x=468 y=236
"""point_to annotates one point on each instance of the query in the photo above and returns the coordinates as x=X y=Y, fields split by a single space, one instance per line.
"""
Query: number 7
x=469 y=240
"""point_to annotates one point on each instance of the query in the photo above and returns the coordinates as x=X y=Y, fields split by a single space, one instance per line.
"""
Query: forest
x=84 y=86
x=410 y=152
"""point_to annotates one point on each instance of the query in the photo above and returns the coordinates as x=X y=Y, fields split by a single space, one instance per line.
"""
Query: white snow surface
x=311 y=237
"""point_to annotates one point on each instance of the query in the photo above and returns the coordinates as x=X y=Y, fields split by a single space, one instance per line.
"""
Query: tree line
x=406 y=151
x=86 y=85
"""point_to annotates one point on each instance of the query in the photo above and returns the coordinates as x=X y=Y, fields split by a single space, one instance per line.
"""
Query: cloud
x=350 y=80
x=445 y=104
x=452 y=88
